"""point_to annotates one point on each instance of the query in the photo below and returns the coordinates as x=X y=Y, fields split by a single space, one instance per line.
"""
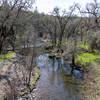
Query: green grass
x=57 y=44
x=84 y=46
x=85 y=59
x=36 y=77
x=64 y=43
x=6 y=56
x=34 y=81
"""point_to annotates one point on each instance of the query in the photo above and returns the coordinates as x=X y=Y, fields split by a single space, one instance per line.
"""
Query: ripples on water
x=56 y=81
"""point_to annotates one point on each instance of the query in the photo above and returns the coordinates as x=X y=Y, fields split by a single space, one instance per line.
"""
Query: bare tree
x=63 y=18
x=93 y=12
x=9 y=15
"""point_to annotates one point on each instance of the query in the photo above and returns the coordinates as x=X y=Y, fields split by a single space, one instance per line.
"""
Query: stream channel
x=56 y=81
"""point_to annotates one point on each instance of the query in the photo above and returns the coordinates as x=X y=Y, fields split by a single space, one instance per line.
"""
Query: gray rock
x=77 y=74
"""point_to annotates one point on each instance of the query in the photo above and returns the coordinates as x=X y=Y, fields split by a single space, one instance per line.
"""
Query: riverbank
x=89 y=63
x=91 y=86
x=13 y=77
x=14 y=74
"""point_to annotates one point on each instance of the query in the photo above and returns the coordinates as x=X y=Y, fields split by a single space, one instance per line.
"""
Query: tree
x=49 y=25
x=9 y=14
x=64 y=19
x=92 y=12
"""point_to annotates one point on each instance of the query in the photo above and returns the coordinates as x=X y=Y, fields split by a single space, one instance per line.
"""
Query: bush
x=94 y=42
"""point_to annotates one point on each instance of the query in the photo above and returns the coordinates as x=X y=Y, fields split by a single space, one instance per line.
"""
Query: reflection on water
x=54 y=84
x=37 y=44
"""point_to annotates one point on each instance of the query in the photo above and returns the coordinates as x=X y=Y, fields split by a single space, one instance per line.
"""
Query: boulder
x=77 y=74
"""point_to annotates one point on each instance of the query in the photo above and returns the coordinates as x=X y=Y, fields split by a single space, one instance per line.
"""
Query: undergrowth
x=6 y=56
x=86 y=58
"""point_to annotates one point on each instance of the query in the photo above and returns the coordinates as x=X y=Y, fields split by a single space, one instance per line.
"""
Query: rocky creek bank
x=13 y=78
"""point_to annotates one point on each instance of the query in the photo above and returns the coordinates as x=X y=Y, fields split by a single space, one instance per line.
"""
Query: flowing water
x=56 y=81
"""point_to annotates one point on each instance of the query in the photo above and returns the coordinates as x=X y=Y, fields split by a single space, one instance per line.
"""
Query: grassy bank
x=36 y=77
x=6 y=56
x=85 y=58
x=84 y=46
x=91 y=61
x=33 y=82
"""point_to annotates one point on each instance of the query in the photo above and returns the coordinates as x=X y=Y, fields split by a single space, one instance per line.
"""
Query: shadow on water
x=57 y=81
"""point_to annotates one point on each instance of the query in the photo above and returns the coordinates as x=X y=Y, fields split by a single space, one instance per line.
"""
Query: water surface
x=56 y=81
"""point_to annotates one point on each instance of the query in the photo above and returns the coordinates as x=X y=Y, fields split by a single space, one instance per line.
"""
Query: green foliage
x=96 y=51
x=64 y=43
x=6 y=56
x=32 y=86
x=85 y=59
x=84 y=46
x=57 y=44
x=36 y=77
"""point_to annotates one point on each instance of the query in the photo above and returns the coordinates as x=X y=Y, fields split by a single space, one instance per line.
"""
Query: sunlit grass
x=6 y=56
x=84 y=46
x=56 y=44
x=62 y=44
x=85 y=59
x=36 y=77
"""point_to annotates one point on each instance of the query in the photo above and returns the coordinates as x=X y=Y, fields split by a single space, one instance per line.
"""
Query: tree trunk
x=81 y=36
x=55 y=30
x=60 y=40
x=55 y=38
x=30 y=70
x=73 y=59
x=1 y=46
